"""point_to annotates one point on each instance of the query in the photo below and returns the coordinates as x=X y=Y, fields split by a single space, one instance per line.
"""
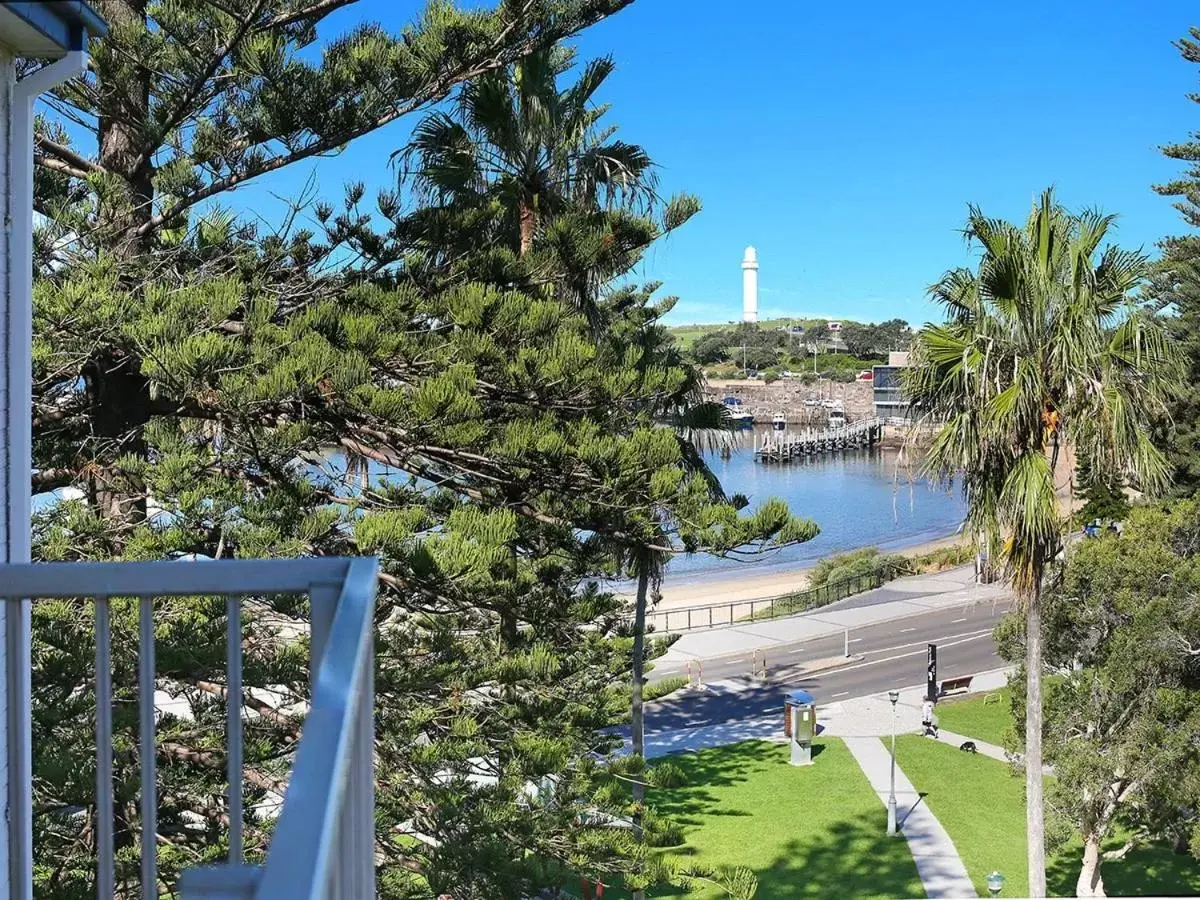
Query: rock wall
x=787 y=395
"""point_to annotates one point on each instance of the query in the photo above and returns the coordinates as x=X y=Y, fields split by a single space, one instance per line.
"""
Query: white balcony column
x=9 y=885
x=16 y=441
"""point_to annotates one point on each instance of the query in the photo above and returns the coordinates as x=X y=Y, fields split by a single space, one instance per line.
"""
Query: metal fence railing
x=741 y=612
x=323 y=845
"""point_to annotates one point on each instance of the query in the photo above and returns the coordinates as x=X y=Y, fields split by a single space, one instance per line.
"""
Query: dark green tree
x=188 y=100
x=1122 y=632
x=876 y=339
x=1175 y=287
x=1103 y=498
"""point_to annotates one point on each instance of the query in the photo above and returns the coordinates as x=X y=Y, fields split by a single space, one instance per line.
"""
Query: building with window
x=888 y=387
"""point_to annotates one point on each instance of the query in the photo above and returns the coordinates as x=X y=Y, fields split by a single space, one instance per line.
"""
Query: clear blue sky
x=844 y=141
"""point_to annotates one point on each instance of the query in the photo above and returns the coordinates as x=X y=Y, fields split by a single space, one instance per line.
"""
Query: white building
x=750 y=286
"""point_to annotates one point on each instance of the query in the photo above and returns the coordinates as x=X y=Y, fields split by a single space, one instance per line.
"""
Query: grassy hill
x=687 y=335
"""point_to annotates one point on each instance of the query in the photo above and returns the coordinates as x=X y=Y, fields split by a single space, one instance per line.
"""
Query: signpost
x=931 y=685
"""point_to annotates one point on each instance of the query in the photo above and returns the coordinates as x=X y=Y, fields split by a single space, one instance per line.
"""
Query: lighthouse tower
x=750 y=286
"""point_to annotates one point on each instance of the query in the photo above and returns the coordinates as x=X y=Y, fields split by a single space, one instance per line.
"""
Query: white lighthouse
x=750 y=286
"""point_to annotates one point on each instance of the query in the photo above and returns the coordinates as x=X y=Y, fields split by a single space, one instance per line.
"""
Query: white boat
x=737 y=414
x=779 y=422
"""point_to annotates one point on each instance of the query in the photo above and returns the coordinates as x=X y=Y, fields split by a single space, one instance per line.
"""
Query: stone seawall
x=787 y=396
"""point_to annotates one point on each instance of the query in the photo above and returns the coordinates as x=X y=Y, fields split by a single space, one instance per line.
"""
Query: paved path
x=938 y=864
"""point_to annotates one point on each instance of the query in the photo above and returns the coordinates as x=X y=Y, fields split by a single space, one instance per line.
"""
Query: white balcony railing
x=323 y=845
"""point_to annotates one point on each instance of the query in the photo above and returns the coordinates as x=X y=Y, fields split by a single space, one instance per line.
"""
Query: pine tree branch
x=213 y=760
x=264 y=709
x=49 y=479
x=66 y=156
x=185 y=105
x=499 y=55
x=316 y=12
x=57 y=165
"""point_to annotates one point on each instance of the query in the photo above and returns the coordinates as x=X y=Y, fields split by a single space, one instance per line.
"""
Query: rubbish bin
x=800 y=725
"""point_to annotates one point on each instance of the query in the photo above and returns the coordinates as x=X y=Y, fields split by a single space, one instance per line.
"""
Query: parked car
x=866 y=375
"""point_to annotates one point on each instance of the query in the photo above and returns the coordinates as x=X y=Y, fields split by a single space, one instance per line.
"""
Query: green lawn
x=977 y=717
x=805 y=832
x=981 y=803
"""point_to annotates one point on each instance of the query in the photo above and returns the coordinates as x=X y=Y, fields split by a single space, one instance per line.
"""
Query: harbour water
x=858 y=498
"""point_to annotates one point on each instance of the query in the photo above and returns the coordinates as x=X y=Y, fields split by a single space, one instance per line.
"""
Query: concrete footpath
x=869 y=716
x=939 y=866
x=909 y=596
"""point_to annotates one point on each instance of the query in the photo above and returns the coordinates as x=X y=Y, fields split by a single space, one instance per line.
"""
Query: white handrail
x=323 y=847
x=324 y=806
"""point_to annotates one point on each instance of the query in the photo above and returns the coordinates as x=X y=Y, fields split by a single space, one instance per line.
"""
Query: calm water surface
x=858 y=498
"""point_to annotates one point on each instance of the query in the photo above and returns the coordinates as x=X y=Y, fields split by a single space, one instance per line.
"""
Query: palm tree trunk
x=637 y=717
x=528 y=224
x=1034 y=807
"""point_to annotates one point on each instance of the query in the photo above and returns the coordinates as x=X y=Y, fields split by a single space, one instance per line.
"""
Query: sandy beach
x=734 y=586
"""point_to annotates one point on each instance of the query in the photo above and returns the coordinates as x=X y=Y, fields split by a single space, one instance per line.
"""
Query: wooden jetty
x=780 y=446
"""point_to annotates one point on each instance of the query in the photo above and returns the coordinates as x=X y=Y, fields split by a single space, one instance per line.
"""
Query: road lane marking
x=842 y=694
x=855 y=640
x=902 y=630
x=956 y=621
x=876 y=662
x=801 y=650
x=923 y=642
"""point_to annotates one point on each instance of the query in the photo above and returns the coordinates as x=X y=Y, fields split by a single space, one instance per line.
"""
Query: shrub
x=661 y=831
x=945 y=558
x=667 y=775
x=864 y=561
x=659 y=689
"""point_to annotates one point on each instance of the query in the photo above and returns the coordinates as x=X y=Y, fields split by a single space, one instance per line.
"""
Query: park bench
x=955 y=685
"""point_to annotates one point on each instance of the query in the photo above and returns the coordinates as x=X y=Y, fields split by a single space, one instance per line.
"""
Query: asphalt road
x=893 y=656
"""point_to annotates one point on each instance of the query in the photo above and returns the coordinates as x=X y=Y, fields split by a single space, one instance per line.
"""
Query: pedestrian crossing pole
x=931 y=673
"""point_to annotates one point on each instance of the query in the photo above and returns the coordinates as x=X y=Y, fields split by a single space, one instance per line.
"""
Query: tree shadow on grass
x=850 y=859
x=715 y=767
x=1151 y=871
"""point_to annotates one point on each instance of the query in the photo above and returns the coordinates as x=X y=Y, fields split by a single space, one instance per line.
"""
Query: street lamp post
x=891 y=804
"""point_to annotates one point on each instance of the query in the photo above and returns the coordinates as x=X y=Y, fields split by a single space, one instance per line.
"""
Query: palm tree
x=515 y=138
x=1045 y=350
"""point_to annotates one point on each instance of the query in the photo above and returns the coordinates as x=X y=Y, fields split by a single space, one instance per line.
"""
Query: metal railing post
x=322 y=600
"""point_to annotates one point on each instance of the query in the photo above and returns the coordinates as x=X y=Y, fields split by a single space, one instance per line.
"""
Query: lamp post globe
x=995 y=883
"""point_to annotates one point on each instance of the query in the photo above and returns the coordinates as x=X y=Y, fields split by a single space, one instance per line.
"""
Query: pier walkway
x=781 y=446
